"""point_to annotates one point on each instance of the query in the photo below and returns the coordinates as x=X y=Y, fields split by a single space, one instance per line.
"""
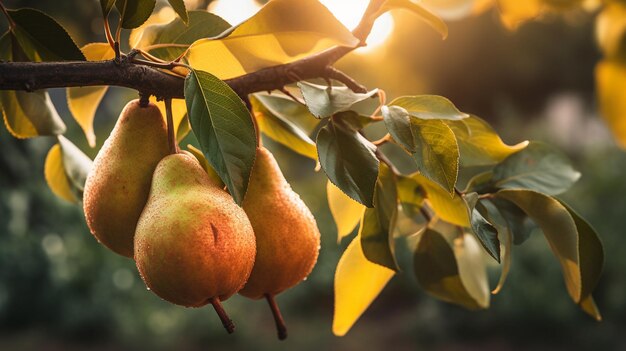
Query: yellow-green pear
x=287 y=236
x=117 y=186
x=193 y=244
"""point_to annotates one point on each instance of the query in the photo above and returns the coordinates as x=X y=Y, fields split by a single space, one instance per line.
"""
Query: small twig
x=164 y=46
x=6 y=14
x=107 y=33
x=382 y=140
x=116 y=49
x=333 y=73
x=289 y=94
x=383 y=158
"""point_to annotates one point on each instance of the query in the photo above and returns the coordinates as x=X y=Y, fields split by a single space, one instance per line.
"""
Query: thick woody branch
x=123 y=72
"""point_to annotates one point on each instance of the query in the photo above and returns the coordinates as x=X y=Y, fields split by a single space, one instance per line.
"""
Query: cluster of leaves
x=453 y=225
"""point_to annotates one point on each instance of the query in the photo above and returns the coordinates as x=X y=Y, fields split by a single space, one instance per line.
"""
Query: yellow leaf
x=357 y=283
x=611 y=88
x=281 y=32
x=83 y=101
x=589 y=306
x=451 y=209
x=450 y=9
x=346 y=212
x=430 y=18
x=158 y=17
x=472 y=269
x=29 y=115
x=479 y=143
x=55 y=175
x=611 y=29
x=515 y=12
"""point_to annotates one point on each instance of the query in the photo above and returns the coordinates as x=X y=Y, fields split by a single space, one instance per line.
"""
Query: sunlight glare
x=348 y=12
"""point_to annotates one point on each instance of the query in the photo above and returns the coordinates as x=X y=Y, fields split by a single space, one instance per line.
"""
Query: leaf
x=518 y=223
x=346 y=212
x=28 y=115
x=282 y=31
x=484 y=231
x=286 y=109
x=42 y=38
x=431 y=19
x=84 y=101
x=76 y=164
x=134 y=12
x=205 y=165
x=611 y=30
x=515 y=12
x=378 y=223
x=357 y=283
x=398 y=123
x=179 y=7
x=479 y=144
x=348 y=158
x=451 y=9
x=106 y=6
x=283 y=131
x=201 y=24
x=66 y=170
x=452 y=209
x=451 y=270
x=324 y=101
x=572 y=241
x=437 y=154
x=429 y=107
x=224 y=128
x=538 y=167
x=55 y=175
x=505 y=235
x=411 y=196
x=611 y=84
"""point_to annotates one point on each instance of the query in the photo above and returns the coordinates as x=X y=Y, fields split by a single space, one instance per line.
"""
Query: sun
x=348 y=12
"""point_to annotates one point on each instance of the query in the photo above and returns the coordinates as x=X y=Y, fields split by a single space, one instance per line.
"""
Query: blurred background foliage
x=60 y=290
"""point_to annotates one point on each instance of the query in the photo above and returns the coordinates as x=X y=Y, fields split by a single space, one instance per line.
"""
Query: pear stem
x=278 y=317
x=226 y=321
x=171 y=136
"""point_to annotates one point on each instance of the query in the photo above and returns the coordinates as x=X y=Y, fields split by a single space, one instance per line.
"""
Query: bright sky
x=347 y=11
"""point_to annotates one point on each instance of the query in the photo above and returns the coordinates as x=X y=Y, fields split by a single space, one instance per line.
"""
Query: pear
x=193 y=244
x=118 y=185
x=287 y=236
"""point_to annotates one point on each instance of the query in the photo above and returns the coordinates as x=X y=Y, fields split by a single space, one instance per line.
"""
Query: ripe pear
x=287 y=236
x=193 y=244
x=117 y=186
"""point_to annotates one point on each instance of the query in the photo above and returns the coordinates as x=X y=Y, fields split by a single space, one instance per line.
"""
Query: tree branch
x=32 y=76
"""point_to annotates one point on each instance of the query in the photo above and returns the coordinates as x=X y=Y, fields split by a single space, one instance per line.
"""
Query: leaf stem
x=107 y=33
x=226 y=321
x=278 y=317
x=6 y=14
x=171 y=135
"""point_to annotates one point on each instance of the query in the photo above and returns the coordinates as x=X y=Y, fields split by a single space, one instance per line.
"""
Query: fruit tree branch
x=123 y=72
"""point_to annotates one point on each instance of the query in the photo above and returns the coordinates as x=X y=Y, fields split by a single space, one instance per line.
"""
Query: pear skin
x=287 y=236
x=118 y=185
x=193 y=244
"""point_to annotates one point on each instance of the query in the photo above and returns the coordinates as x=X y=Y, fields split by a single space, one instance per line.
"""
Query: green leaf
x=201 y=24
x=437 y=154
x=179 y=7
x=572 y=240
x=517 y=221
x=451 y=269
x=29 y=115
x=223 y=126
x=429 y=107
x=325 y=101
x=347 y=158
x=505 y=235
x=134 y=12
x=398 y=123
x=285 y=108
x=484 y=231
x=378 y=223
x=411 y=196
x=538 y=167
x=106 y=6
x=479 y=144
x=283 y=131
x=42 y=38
